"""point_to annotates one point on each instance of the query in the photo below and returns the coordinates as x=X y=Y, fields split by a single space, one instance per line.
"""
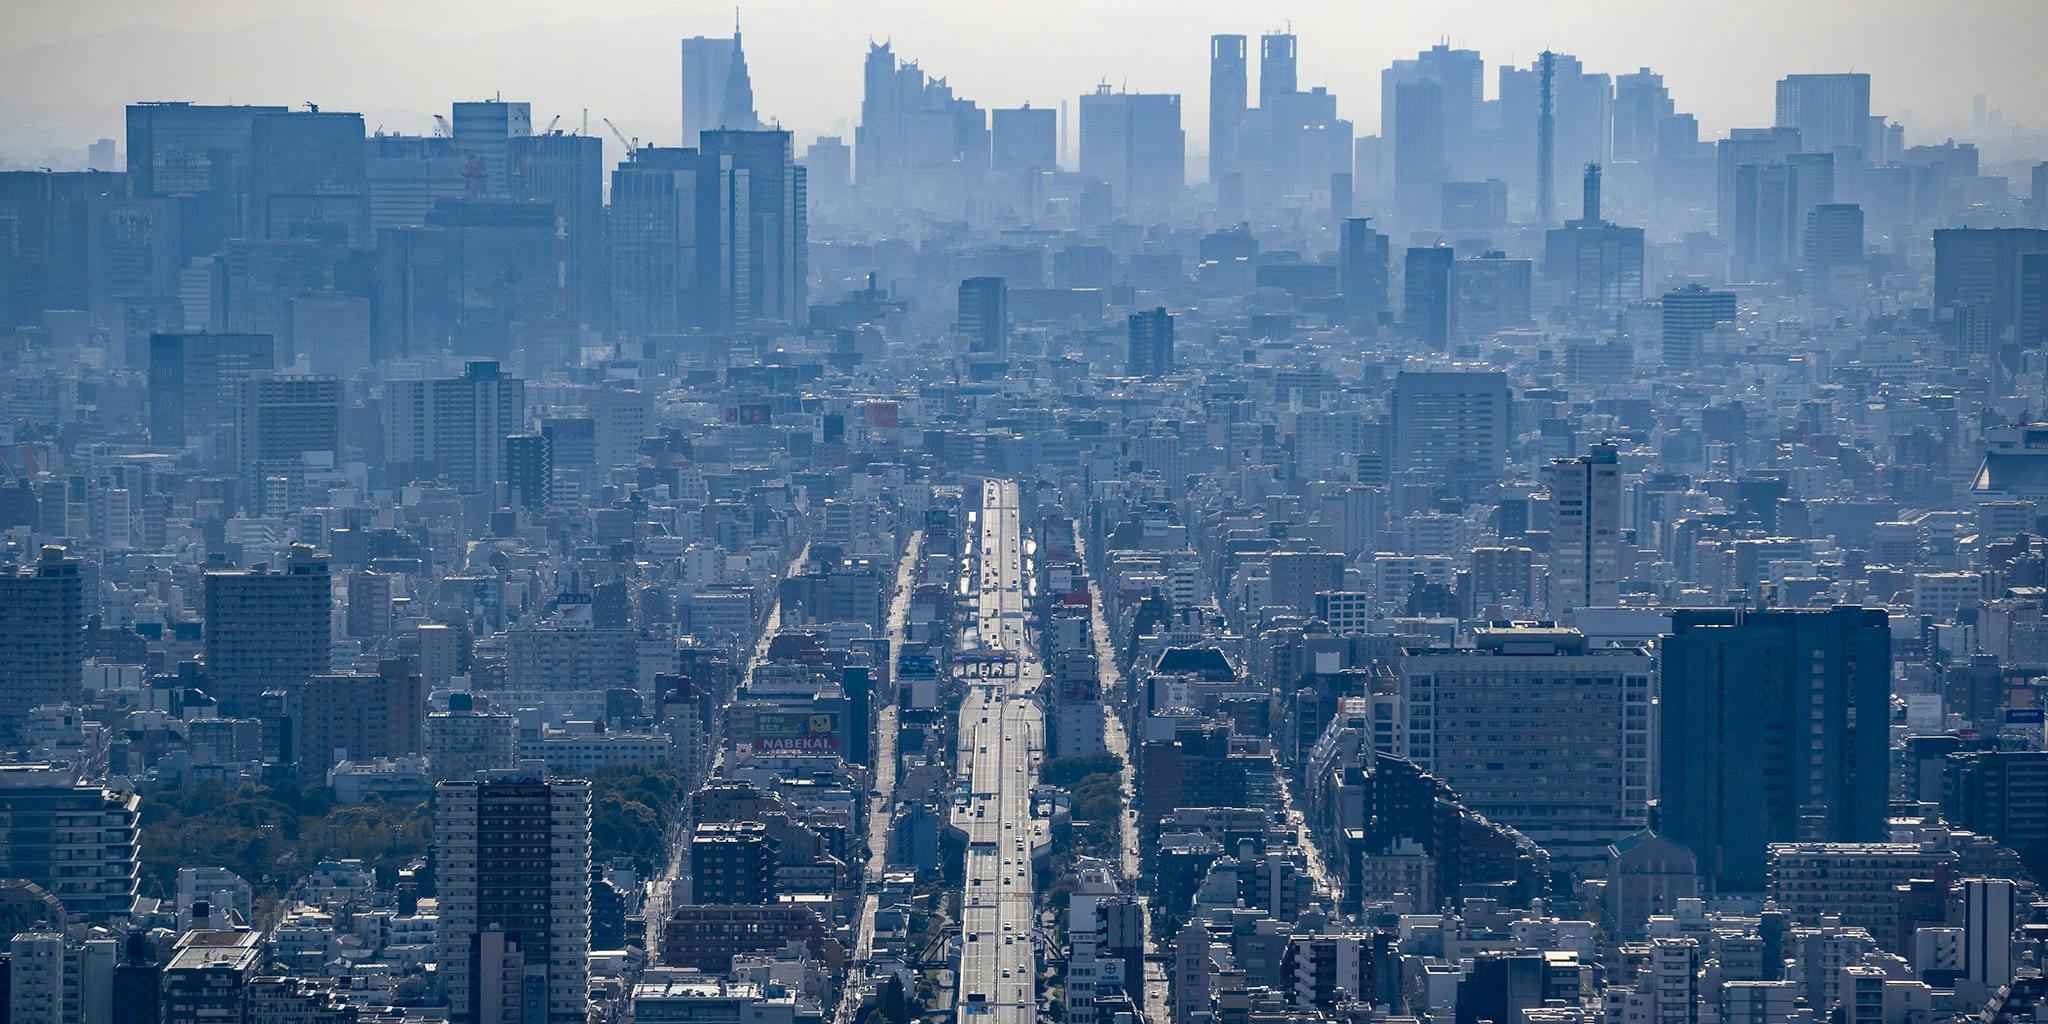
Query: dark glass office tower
x=1773 y=729
x=777 y=232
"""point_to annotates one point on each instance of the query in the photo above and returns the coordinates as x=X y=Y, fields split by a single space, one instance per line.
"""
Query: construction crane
x=550 y=129
x=632 y=145
x=441 y=127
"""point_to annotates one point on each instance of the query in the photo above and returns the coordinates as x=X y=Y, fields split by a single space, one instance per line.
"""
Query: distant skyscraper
x=1831 y=112
x=1986 y=265
x=717 y=90
x=1599 y=264
x=195 y=380
x=1134 y=142
x=266 y=629
x=1420 y=165
x=1581 y=115
x=1585 y=532
x=285 y=425
x=1227 y=96
x=1151 y=344
x=567 y=171
x=1278 y=75
x=199 y=155
x=828 y=170
x=1025 y=139
x=42 y=623
x=307 y=177
x=529 y=472
x=1774 y=729
x=1427 y=302
x=984 y=321
x=778 y=234
x=1834 y=237
x=455 y=428
x=1362 y=271
x=512 y=851
x=915 y=137
x=1689 y=313
x=1744 y=147
x=1765 y=239
x=677 y=245
x=1460 y=78
x=1451 y=426
x=484 y=130
x=1641 y=104
x=1509 y=721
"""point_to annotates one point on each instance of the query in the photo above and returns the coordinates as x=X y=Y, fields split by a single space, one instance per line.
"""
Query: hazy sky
x=66 y=66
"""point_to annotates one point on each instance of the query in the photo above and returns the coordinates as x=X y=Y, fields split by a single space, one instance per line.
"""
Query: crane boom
x=632 y=145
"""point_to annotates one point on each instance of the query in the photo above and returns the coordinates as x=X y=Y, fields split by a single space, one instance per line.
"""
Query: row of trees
x=273 y=835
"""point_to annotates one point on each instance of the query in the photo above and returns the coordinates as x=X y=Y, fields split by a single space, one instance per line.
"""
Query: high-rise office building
x=1510 y=723
x=284 y=426
x=567 y=171
x=1585 y=530
x=1362 y=271
x=42 y=638
x=306 y=177
x=512 y=852
x=778 y=233
x=405 y=175
x=200 y=156
x=678 y=243
x=1985 y=265
x=1833 y=238
x=1420 y=163
x=1227 y=97
x=484 y=130
x=717 y=90
x=1151 y=344
x=1428 y=307
x=266 y=629
x=916 y=141
x=1599 y=265
x=454 y=428
x=1745 y=147
x=1689 y=313
x=1277 y=67
x=1764 y=241
x=1831 y=112
x=1452 y=425
x=195 y=381
x=1024 y=139
x=502 y=261
x=984 y=320
x=1773 y=728
x=1460 y=79
x=1641 y=106
x=80 y=842
x=1133 y=141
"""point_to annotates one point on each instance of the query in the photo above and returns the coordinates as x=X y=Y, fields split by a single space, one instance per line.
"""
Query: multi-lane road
x=1001 y=740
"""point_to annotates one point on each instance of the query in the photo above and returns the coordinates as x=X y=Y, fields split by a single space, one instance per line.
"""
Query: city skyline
x=804 y=67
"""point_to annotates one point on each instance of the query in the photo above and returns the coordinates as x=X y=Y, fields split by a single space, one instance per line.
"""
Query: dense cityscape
x=1537 y=561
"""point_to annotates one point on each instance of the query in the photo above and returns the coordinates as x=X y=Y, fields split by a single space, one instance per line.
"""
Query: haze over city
x=66 y=69
x=963 y=513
